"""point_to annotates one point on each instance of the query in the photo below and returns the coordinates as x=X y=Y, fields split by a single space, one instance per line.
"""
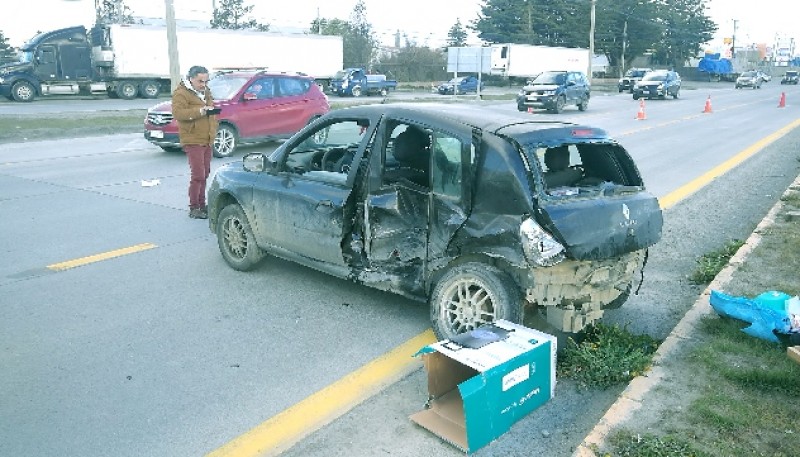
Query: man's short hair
x=196 y=70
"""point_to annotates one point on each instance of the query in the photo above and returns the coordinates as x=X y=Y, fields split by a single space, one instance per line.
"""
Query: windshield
x=636 y=73
x=550 y=78
x=225 y=87
x=655 y=77
x=341 y=74
x=749 y=74
x=25 y=56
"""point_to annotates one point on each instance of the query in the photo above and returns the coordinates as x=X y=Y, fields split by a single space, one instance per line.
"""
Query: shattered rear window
x=583 y=168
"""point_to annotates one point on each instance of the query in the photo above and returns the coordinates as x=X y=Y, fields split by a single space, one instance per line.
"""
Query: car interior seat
x=411 y=150
x=558 y=172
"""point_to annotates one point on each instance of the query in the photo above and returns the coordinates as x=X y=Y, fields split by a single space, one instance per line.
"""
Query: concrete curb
x=632 y=398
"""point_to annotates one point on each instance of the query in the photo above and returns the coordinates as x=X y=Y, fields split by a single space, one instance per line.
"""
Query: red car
x=257 y=106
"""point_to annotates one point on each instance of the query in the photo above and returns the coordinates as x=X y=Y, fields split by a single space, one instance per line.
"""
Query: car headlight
x=539 y=246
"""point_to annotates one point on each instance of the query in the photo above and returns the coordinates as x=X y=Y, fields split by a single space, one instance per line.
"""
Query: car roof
x=512 y=124
x=248 y=73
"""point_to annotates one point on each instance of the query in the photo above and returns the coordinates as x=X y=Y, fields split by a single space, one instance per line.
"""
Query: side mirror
x=250 y=96
x=255 y=162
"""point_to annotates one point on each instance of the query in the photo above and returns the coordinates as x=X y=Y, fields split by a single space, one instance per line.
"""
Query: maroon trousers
x=200 y=166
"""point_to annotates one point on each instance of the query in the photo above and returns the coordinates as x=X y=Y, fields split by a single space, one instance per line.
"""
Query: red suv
x=257 y=106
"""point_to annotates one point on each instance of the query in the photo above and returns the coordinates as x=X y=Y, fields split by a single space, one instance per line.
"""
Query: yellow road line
x=99 y=257
x=698 y=183
x=300 y=420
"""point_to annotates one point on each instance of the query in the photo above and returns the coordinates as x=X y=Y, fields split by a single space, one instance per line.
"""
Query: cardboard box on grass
x=482 y=382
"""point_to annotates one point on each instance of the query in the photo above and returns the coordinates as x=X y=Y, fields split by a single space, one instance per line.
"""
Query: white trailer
x=527 y=61
x=127 y=61
x=141 y=51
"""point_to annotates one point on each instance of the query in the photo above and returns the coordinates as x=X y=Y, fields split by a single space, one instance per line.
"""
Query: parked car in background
x=749 y=78
x=632 y=76
x=478 y=215
x=658 y=84
x=790 y=77
x=554 y=90
x=460 y=85
x=256 y=106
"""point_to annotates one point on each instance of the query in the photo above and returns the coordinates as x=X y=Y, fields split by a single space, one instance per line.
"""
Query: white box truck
x=527 y=61
x=129 y=61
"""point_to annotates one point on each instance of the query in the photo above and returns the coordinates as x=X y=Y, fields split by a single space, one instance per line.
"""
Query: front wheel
x=675 y=95
x=471 y=295
x=225 y=142
x=583 y=105
x=23 y=91
x=236 y=240
x=356 y=91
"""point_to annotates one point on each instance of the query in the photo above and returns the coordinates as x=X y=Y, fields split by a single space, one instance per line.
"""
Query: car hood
x=650 y=83
x=594 y=229
x=541 y=87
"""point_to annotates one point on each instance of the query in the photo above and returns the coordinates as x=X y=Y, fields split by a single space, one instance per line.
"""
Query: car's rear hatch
x=616 y=221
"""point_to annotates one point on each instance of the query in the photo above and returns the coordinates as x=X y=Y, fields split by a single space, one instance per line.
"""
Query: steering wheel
x=328 y=160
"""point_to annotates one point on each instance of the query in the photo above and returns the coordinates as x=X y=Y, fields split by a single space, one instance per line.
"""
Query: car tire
x=356 y=91
x=470 y=295
x=636 y=96
x=127 y=90
x=23 y=91
x=584 y=104
x=384 y=92
x=236 y=241
x=226 y=141
x=676 y=94
x=149 y=89
x=561 y=101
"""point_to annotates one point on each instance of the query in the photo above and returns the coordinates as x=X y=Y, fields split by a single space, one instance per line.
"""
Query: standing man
x=191 y=102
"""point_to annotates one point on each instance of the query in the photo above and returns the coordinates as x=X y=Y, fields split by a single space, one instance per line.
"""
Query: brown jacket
x=193 y=128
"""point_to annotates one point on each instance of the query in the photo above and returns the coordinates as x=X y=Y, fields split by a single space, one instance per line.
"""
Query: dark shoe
x=198 y=213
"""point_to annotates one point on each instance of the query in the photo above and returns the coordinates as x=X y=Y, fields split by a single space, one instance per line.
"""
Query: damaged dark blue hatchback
x=484 y=215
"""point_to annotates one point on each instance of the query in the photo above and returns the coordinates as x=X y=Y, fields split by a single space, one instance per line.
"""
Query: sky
x=425 y=22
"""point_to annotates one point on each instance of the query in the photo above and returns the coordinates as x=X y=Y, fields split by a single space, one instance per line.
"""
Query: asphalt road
x=166 y=351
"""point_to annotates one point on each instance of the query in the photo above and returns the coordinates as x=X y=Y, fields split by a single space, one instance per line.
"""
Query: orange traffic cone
x=707 y=108
x=782 y=102
x=640 y=116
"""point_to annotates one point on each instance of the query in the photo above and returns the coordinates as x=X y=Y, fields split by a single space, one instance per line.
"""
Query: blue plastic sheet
x=766 y=313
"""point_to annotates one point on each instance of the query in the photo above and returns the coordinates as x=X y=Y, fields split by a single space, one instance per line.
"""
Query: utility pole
x=591 y=43
x=172 y=46
x=733 y=41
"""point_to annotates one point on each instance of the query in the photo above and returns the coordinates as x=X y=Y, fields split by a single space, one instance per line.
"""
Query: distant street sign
x=469 y=59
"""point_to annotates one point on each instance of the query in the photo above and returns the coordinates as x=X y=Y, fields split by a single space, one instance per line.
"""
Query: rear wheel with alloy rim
x=470 y=295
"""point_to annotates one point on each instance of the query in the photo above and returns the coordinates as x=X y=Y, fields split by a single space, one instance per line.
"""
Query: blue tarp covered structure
x=712 y=63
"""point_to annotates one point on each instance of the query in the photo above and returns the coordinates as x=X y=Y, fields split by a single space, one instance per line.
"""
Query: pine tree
x=233 y=14
x=7 y=52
